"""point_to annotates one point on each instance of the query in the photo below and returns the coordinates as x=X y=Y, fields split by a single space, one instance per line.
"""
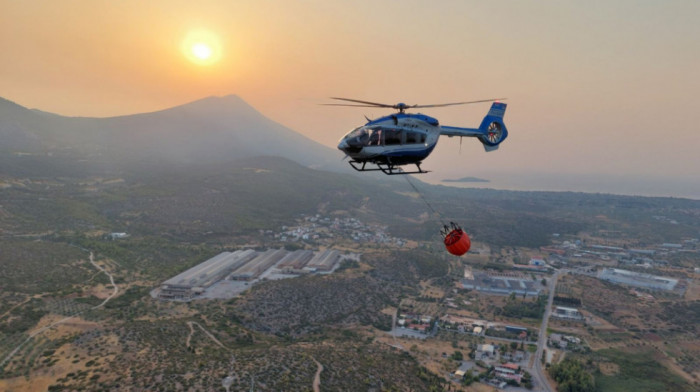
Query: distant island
x=466 y=179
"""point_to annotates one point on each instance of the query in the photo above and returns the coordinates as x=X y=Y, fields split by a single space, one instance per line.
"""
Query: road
x=63 y=320
x=206 y=332
x=111 y=279
x=538 y=373
x=316 y=386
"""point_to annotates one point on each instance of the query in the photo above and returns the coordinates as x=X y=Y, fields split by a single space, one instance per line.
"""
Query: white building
x=640 y=280
x=486 y=349
x=567 y=313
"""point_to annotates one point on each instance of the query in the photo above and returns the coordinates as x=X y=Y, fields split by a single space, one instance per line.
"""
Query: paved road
x=542 y=338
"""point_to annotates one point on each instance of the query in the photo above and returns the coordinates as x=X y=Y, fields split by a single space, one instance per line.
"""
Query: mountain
x=210 y=130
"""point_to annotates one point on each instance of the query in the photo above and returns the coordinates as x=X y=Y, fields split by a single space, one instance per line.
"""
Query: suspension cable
x=430 y=207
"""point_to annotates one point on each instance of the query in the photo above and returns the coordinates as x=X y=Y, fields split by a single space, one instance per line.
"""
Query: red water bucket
x=457 y=242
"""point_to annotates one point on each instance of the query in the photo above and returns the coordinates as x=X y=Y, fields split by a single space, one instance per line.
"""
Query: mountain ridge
x=211 y=129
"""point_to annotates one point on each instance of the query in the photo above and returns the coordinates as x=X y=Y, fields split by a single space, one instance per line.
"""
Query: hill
x=210 y=130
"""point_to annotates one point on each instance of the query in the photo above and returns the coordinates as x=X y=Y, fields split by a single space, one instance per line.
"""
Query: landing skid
x=385 y=168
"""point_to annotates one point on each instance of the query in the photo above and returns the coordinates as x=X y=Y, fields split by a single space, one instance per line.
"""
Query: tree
x=571 y=375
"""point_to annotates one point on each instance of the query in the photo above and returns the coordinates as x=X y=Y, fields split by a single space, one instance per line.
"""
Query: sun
x=201 y=51
x=202 y=47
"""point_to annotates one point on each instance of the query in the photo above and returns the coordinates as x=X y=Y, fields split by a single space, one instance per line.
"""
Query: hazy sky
x=593 y=87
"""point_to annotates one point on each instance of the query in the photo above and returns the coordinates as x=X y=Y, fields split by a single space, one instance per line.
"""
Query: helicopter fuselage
x=397 y=139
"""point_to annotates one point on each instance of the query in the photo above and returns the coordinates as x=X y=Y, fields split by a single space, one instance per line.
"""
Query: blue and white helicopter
x=399 y=139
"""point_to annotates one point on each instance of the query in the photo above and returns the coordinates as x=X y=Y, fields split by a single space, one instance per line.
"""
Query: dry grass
x=609 y=368
x=693 y=291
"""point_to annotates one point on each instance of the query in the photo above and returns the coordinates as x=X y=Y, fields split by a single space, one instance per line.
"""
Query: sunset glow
x=609 y=80
x=202 y=47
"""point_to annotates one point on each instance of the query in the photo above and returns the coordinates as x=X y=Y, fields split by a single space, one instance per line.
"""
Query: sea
x=632 y=185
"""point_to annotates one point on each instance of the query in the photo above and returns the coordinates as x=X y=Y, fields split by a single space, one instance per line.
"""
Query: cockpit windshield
x=357 y=132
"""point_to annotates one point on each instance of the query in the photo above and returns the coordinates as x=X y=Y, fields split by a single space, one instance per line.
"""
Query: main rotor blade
x=345 y=104
x=383 y=105
x=456 y=103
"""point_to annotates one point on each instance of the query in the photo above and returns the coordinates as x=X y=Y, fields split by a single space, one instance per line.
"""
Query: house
x=463 y=369
x=508 y=371
x=485 y=349
x=507 y=368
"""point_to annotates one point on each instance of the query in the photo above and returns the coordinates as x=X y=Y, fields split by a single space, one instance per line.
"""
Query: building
x=463 y=369
x=635 y=279
x=503 y=285
x=486 y=349
x=671 y=246
x=507 y=368
x=567 y=313
x=324 y=261
x=243 y=265
x=531 y=268
x=515 y=329
x=255 y=267
x=294 y=262
x=196 y=279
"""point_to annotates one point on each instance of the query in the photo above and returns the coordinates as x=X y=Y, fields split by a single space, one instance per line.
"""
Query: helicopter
x=390 y=142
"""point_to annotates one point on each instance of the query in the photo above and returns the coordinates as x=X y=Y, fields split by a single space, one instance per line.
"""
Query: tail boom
x=492 y=131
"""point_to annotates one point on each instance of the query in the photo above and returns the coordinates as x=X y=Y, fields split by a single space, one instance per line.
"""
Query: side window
x=392 y=137
x=415 y=138
x=375 y=138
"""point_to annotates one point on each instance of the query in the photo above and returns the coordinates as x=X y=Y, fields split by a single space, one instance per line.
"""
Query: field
x=273 y=336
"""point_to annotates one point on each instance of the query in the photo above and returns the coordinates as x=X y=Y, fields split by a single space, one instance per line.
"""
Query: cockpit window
x=358 y=137
x=375 y=138
x=360 y=131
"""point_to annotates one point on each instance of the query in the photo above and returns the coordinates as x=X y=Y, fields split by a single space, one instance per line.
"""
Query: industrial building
x=294 y=262
x=644 y=281
x=244 y=265
x=503 y=285
x=258 y=265
x=196 y=279
x=324 y=261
